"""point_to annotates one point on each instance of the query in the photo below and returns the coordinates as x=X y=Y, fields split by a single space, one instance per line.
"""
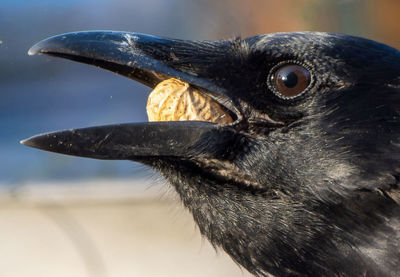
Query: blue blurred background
x=41 y=94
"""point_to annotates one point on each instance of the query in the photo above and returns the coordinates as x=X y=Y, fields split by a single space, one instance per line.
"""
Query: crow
x=304 y=178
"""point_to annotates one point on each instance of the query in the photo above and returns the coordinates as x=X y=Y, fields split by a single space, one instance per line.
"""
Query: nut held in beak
x=174 y=100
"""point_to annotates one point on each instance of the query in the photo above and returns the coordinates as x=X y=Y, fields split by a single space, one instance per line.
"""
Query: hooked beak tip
x=27 y=142
x=33 y=50
x=31 y=142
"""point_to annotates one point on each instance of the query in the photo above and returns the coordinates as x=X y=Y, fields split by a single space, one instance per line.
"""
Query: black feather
x=316 y=196
x=296 y=186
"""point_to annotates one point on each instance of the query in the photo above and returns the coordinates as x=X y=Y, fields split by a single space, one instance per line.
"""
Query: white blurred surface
x=98 y=229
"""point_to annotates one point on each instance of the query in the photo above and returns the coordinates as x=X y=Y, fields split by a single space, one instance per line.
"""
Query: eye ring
x=289 y=80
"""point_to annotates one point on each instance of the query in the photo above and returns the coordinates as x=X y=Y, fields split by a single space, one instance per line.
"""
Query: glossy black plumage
x=307 y=186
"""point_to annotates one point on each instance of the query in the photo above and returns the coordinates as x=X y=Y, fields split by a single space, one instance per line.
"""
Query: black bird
x=304 y=181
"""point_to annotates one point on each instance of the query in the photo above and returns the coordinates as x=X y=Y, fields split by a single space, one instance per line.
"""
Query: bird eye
x=290 y=80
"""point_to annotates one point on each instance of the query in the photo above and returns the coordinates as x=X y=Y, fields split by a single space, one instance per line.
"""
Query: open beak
x=149 y=60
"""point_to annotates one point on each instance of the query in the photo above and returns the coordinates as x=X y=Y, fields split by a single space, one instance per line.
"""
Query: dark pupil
x=289 y=79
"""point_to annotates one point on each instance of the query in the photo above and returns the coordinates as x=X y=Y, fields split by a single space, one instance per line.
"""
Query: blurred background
x=73 y=216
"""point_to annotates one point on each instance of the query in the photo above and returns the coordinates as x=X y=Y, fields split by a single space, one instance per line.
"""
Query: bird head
x=313 y=121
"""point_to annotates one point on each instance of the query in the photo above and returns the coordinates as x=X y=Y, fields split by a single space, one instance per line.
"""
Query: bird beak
x=149 y=60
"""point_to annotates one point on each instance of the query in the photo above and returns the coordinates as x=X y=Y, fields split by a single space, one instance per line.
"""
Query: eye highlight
x=290 y=80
